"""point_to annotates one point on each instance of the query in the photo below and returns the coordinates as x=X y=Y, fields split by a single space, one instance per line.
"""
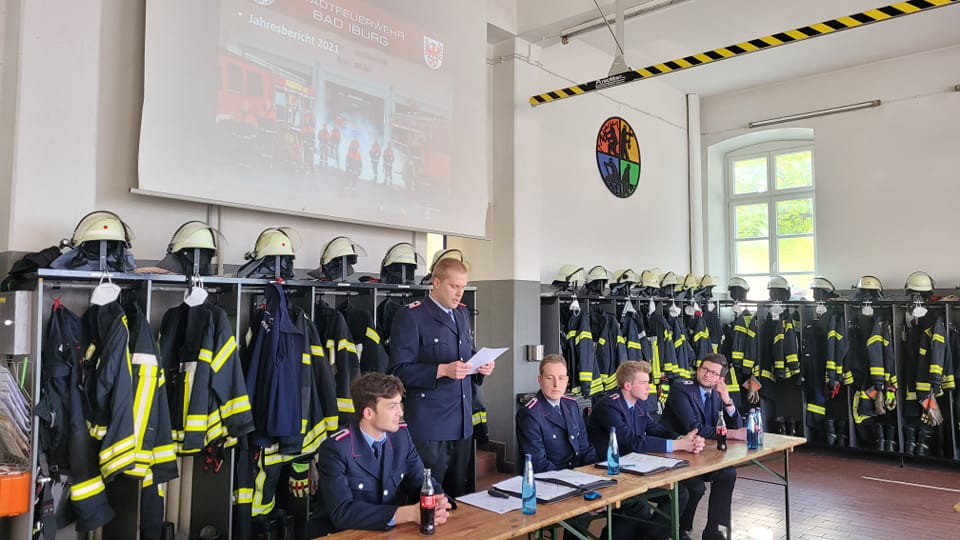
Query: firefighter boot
x=794 y=427
x=909 y=440
x=780 y=425
x=843 y=433
x=924 y=434
x=830 y=429
x=878 y=436
x=890 y=436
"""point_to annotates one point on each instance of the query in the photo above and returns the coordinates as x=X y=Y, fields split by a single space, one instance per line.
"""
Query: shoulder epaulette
x=403 y=425
x=412 y=305
x=614 y=396
x=532 y=403
x=568 y=397
x=461 y=304
x=341 y=434
x=686 y=381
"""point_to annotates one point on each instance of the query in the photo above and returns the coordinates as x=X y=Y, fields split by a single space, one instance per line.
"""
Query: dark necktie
x=378 y=450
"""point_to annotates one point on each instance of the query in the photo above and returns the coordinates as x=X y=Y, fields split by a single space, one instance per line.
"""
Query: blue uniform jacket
x=553 y=442
x=636 y=430
x=423 y=336
x=685 y=411
x=353 y=491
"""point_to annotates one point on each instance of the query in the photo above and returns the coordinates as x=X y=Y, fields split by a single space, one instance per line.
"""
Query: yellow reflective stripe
x=86 y=489
x=936 y=368
x=778 y=337
x=243 y=496
x=235 y=406
x=923 y=351
x=602 y=341
x=195 y=422
x=766 y=374
x=834 y=334
x=748 y=362
x=347 y=345
x=703 y=334
x=305 y=359
x=816 y=409
x=97 y=432
x=911 y=395
x=634 y=345
x=938 y=337
x=164 y=453
x=586 y=376
x=206 y=355
x=345 y=405
x=792 y=357
x=923 y=386
x=228 y=348
x=585 y=334
x=142 y=401
x=621 y=340
x=118 y=463
x=120 y=447
x=778 y=364
x=737 y=355
x=875 y=370
x=372 y=335
x=571 y=334
x=831 y=365
x=316 y=350
x=848 y=377
x=476 y=418
x=332 y=422
x=874 y=339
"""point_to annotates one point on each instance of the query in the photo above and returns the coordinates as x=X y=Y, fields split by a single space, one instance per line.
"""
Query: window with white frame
x=770 y=195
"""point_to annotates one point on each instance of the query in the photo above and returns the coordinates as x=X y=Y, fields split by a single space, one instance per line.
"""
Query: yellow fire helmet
x=276 y=241
x=101 y=225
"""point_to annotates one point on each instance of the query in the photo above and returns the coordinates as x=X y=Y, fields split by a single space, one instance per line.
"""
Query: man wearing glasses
x=696 y=405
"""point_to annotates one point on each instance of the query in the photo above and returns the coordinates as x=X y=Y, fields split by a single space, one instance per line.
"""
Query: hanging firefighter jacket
x=714 y=329
x=813 y=368
x=610 y=349
x=577 y=347
x=633 y=328
x=273 y=374
x=69 y=447
x=341 y=354
x=385 y=312
x=744 y=346
x=838 y=346
x=926 y=355
x=108 y=383
x=155 y=454
x=685 y=361
x=208 y=396
x=664 y=353
x=317 y=385
x=872 y=365
x=373 y=356
x=952 y=365
x=786 y=360
x=699 y=336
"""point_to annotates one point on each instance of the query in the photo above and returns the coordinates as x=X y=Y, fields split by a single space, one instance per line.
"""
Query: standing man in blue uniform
x=695 y=407
x=370 y=467
x=637 y=431
x=430 y=343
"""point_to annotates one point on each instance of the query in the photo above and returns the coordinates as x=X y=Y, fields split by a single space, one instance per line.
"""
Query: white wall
x=582 y=222
x=887 y=180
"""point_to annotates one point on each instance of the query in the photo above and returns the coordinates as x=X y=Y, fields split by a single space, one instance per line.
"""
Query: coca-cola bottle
x=721 y=432
x=428 y=505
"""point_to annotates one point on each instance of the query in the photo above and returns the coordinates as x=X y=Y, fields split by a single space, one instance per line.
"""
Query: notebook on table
x=553 y=486
x=645 y=464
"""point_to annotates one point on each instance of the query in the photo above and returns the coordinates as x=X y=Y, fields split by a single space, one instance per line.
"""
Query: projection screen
x=368 y=111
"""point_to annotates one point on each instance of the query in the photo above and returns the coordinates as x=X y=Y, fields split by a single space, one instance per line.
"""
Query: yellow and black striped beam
x=832 y=26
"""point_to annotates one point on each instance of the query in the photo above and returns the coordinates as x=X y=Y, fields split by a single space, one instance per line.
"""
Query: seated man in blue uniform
x=370 y=468
x=625 y=410
x=695 y=406
x=551 y=429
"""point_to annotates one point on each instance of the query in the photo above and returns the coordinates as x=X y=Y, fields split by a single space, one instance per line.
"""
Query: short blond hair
x=446 y=266
x=552 y=359
x=627 y=371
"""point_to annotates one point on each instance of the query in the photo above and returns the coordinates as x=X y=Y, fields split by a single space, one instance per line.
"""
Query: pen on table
x=494 y=492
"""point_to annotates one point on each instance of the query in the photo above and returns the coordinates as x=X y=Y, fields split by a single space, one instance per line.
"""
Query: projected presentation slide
x=365 y=110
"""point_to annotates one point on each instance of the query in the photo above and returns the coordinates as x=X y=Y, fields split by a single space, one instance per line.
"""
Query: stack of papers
x=637 y=463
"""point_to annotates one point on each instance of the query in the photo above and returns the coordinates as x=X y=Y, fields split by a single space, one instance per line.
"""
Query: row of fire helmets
x=99 y=232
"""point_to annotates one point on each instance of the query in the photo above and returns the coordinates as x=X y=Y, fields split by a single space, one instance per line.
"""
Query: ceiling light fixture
x=599 y=22
x=815 y=114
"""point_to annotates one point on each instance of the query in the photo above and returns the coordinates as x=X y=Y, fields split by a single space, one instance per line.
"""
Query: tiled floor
x=841 y=497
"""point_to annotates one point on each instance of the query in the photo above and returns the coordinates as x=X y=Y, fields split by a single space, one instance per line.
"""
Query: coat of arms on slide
x=432 y=52
x=618 y=156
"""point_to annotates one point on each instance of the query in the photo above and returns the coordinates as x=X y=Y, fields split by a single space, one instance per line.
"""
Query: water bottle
x=752 y=429
x=529 y=488
x=721 y=432
x=428 y=505
x=613 y=453
x=759 y=427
